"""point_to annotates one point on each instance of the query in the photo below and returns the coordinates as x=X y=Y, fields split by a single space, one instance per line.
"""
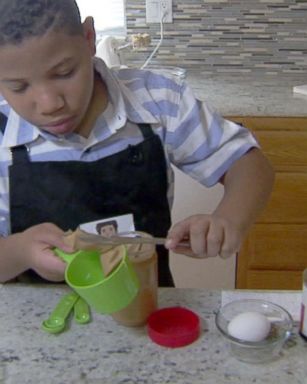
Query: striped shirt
x=195 y=139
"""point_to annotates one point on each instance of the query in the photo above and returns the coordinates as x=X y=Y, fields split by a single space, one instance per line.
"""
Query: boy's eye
x=65 y=73
x=19 y=88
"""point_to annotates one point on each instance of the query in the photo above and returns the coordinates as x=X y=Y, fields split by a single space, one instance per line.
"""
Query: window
x=109 y=15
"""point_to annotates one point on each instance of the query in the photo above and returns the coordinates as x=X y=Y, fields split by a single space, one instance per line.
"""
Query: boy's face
x=107 y=231
x=48 y=80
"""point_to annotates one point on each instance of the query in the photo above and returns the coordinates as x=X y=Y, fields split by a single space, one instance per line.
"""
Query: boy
x=82 y=143
x=107 y=228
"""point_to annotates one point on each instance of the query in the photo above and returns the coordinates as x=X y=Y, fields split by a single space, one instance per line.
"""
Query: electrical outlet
x=155 y=9
x=166 y=10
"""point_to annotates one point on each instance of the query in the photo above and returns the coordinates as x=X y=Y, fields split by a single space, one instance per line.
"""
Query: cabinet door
x=274 y=253
x=273 y=256
x=286 y=150
x=288 y=201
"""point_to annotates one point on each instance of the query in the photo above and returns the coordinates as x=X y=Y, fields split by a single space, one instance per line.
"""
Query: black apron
x=69 y=193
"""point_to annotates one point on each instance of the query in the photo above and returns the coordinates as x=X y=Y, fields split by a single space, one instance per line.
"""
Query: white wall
x=213 y=273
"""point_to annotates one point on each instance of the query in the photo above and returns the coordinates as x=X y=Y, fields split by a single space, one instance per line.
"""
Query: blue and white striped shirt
x=196 y=140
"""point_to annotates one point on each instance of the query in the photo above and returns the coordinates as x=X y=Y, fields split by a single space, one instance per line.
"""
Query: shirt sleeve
x=203 y=144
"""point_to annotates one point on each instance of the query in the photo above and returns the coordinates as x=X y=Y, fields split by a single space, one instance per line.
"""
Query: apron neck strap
x=146 y=130
x=3 y=120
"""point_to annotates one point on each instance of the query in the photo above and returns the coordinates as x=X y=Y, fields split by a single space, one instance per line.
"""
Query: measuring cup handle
x=67 y=257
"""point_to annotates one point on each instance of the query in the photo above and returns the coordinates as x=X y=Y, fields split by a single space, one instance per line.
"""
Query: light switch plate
x=155 y=10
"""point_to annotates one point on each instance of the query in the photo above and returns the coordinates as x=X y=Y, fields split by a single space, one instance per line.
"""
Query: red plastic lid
x=173 y=327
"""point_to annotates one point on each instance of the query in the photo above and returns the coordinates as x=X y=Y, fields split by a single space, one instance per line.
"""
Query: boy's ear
x=90 y=34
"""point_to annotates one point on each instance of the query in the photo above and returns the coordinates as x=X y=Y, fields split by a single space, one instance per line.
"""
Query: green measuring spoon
x=57 y=320
x=82 y=314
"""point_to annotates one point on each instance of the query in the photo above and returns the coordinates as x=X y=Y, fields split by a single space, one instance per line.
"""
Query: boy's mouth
x=60 y=126
x=59 y=122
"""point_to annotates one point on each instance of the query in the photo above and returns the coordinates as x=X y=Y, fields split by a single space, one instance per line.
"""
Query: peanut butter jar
x=145 y=262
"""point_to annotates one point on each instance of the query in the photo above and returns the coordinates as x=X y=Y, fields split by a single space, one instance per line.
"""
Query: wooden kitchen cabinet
x=274 y=253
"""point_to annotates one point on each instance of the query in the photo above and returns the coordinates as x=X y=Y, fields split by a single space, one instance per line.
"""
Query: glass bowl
x=260 y=351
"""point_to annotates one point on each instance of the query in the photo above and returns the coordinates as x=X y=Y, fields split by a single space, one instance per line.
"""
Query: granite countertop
x=102 y=352
x=250 y=94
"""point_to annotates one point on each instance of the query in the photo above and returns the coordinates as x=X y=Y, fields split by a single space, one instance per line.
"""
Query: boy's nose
x=48 y=102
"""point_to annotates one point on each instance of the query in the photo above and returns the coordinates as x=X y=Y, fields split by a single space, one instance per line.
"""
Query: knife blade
x=80 y=239
x=118 y=239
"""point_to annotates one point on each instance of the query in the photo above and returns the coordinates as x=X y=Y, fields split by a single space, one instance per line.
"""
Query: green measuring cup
x=105 y=294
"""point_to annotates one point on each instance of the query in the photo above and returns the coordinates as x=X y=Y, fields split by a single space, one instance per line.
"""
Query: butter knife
x=118 y=240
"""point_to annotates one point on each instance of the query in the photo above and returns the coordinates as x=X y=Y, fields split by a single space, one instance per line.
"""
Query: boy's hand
x=37 y=243
x=208 y=235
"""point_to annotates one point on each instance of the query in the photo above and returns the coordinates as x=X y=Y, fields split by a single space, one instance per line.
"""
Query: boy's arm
x=248 y=184
x=11 y=262
x=32 y=249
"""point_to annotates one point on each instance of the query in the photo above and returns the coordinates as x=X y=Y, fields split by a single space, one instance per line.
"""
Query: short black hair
x=21 y=19
x=99 y=226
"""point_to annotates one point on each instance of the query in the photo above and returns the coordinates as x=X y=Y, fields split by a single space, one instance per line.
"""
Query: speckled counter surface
x=103 y=352
x=250 y=94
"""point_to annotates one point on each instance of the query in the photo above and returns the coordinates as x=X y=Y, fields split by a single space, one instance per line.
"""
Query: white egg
x=249 y=326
